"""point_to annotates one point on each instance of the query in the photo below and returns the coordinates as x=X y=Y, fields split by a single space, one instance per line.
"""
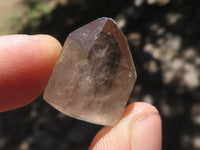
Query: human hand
x=26 y=63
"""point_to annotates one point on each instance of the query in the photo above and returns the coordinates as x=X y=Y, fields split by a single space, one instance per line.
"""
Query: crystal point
x=94 y=75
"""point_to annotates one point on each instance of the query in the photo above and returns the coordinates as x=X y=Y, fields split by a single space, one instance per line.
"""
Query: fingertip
x=135 y=110
x=26 y=63
x=121 y=136
x=51 y=44
x=146 y=130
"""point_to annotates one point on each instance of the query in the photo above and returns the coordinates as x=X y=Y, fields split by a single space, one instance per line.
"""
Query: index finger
x=26 y=63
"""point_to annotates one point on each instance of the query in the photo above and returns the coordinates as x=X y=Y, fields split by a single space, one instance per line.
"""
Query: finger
x=138 y=129
x=26 y=63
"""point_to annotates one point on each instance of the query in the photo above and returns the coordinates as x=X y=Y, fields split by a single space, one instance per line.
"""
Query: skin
x=26 y=63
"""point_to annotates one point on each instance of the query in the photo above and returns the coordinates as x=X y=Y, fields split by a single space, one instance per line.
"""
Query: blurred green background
x=165 y=43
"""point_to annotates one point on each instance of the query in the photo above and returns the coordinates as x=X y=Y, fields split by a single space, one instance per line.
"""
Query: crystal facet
x=94 y=75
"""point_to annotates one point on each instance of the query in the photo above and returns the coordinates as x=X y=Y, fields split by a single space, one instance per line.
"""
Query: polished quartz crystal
x=94 y=75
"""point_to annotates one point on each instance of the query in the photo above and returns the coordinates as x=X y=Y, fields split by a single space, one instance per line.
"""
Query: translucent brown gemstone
x=94 y=75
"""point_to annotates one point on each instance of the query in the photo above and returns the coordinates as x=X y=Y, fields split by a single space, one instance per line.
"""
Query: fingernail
x=146 y=133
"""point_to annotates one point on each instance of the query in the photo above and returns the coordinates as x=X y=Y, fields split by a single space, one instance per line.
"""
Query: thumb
x=138 y=129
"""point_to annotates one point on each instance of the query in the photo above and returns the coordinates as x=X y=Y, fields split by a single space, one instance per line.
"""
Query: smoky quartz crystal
x=94 y=75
